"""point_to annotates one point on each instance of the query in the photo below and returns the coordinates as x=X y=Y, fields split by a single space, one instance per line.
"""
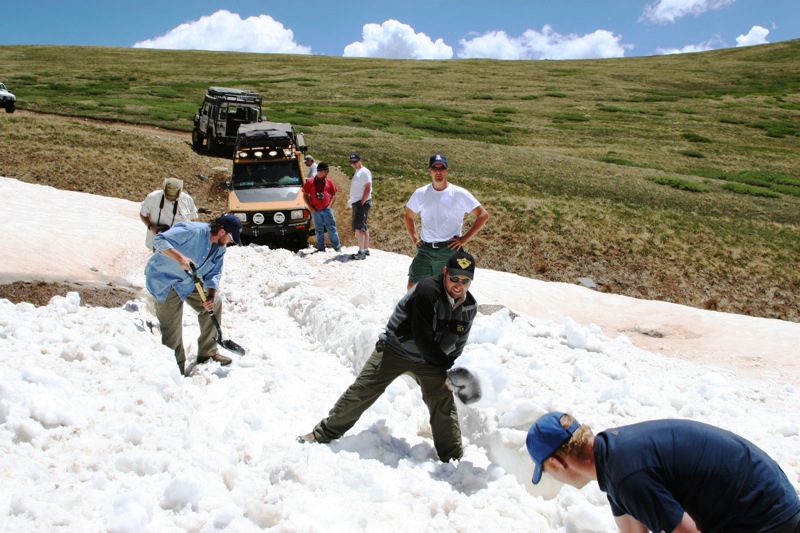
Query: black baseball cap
x=461 y=264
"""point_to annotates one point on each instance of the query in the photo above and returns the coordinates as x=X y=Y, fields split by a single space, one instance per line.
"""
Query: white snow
x=99 y=432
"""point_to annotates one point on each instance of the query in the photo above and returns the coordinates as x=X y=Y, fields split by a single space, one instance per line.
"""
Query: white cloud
x=546 y=44
x=395 y=40
x=663 y=11
x=705 y=46
x=226 y=31
x=757 y=35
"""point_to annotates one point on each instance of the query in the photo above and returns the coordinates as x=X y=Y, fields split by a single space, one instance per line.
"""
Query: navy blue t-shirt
x=654 y=471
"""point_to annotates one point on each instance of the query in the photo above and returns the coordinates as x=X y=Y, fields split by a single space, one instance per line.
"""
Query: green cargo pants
x=384 y=366
x=170 y=318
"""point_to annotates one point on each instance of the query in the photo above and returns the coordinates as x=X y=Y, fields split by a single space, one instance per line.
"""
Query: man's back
x=654 y=471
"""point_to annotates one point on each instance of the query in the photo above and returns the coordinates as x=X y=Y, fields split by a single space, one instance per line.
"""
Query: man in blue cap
x=442 y=207
x=669 y=475
x=183 y=247
x=361 y=202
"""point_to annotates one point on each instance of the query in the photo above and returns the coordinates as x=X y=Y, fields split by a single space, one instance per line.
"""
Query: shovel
x=227 y=344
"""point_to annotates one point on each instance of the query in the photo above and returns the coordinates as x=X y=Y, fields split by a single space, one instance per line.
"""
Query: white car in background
x=7 y=100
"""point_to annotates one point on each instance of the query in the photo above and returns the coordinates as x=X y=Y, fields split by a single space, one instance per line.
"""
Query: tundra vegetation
x=672 y=178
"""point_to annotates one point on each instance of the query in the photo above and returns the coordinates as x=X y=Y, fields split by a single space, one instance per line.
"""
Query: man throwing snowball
x=423 y=338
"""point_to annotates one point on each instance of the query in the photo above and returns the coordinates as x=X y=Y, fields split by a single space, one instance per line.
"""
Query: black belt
x=434 y=245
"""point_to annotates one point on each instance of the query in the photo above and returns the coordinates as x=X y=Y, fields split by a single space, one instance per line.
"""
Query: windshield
x=243 y=113
x=3 y=87
x=266 y=174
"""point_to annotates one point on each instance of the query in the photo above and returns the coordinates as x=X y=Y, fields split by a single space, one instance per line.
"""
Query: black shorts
x=360 y=212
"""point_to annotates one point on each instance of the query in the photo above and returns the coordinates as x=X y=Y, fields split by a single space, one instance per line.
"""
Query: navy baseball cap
x=355 y=157
x=232 y=225
x=437 y=159
x=544 y=438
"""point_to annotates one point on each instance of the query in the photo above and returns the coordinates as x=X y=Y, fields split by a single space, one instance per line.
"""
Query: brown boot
x=307 y=438
x=221 y=359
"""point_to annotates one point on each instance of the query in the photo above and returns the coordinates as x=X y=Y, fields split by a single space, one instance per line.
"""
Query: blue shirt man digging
x=177 y=250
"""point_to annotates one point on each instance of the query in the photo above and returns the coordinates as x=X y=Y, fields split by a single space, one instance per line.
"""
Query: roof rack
x=235 y=95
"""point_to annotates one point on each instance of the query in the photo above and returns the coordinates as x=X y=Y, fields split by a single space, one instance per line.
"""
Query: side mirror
x=225 y=185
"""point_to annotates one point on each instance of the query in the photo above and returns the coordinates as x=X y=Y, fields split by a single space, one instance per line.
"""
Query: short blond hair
x=578 y=445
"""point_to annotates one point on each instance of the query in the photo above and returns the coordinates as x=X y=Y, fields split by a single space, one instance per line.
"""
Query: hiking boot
x=360 y=256
x=366 y=252
x=307 y=438
x=221 y=359
x=339 y=249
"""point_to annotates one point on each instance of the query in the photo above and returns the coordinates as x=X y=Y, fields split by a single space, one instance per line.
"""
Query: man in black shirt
x=423 y=338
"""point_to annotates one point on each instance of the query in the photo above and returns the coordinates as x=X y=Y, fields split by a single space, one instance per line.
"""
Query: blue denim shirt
x=192 y=239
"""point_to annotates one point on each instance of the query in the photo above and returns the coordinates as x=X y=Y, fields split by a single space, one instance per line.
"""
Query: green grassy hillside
x=674 y=178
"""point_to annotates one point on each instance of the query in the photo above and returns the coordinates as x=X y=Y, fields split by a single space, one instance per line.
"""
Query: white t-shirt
x=442 y=212
x=151 y=208
x=360 y=179
x=312 y=170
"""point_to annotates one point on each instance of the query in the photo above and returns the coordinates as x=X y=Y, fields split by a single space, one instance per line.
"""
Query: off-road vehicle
x=265 y=190
x=7 y=99
x=223 y=111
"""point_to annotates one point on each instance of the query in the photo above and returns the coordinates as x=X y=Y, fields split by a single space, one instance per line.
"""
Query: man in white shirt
x=165 y=207
x=361 y=202
x=442 y=207
x=312 y=166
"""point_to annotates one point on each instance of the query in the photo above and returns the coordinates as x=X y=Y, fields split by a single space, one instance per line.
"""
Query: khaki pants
x=170 y=318
x=383 y=367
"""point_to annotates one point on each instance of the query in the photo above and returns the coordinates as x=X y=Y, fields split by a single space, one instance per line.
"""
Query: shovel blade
x=230 y=345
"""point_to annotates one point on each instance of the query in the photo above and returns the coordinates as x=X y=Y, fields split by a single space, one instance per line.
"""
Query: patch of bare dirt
x=39 y=293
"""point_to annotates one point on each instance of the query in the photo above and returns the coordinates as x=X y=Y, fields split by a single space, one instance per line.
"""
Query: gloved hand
x=464 y=384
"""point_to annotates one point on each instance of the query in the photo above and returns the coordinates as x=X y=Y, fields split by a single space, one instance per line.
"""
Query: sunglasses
x=463 y=281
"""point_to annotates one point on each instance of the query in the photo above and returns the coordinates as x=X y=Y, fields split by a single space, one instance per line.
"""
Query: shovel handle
x=197 y=283
x=203 y=298
x=227 y=344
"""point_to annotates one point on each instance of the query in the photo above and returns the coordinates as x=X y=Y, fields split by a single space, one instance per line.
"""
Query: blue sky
x=410 y=29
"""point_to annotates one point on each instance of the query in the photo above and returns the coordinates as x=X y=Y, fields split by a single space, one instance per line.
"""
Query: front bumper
x=295 y=229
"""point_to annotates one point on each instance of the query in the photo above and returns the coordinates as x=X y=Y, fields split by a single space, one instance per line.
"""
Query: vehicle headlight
x=279 y=218
x=241 y=216
x=297 y=214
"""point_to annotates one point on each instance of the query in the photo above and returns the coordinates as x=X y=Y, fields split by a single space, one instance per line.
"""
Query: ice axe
x=227 y=344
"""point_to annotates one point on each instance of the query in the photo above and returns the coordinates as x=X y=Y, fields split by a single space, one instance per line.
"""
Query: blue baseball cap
x=437 y=159
x=544 y=438
x=232 y=225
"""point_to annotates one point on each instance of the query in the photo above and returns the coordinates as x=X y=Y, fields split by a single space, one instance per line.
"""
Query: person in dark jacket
x=424 y=336
x=669 y=475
